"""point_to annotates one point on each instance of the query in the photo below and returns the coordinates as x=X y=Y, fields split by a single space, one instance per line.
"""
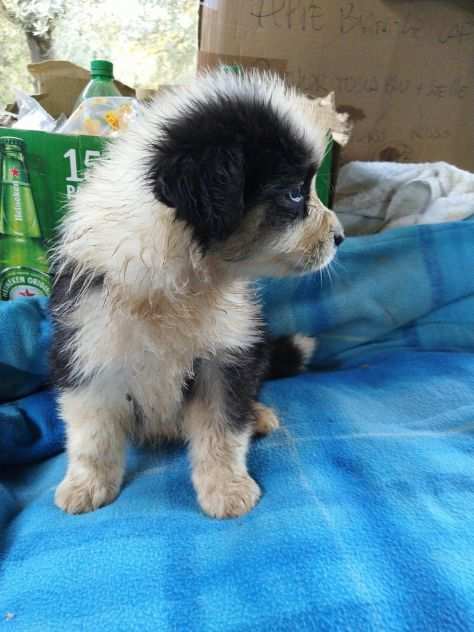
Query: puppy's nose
x=338 y=238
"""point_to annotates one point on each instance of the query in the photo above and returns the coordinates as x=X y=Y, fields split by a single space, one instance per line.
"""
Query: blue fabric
x=25 y=335
x=30 y=429
x=367 y=517
x=29 y=426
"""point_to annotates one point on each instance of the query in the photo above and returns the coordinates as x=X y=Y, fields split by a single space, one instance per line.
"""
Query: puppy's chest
x=163 y=353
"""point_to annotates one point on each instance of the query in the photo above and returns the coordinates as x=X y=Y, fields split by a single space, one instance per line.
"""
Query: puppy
x=158 y=332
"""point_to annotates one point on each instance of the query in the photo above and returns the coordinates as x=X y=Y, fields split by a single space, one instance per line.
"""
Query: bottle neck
x=101 y=77
x=11 y=153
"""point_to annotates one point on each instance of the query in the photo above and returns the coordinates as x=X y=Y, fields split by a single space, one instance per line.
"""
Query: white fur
x=96 y=439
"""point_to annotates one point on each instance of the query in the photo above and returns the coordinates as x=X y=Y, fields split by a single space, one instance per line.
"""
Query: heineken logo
x=14 y=172
x=21 y=281
x=17 y=201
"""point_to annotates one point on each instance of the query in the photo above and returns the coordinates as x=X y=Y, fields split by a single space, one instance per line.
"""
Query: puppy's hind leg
x=95 y=420
x=266 y=420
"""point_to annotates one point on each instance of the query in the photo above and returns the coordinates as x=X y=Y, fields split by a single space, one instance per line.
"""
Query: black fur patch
x=286 y=358
x=217 y=159
x=241 y=382
x=64 y=299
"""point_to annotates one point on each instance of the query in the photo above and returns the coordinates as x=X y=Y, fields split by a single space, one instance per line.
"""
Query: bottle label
x=21 y=281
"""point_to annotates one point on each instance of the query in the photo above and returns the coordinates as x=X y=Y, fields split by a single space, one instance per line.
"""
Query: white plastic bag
x=31 y=115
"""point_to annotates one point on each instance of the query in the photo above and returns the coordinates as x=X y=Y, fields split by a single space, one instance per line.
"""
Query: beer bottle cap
x=102 y=68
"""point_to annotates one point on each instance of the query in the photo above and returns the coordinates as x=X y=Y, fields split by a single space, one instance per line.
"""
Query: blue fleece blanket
x=367 y=518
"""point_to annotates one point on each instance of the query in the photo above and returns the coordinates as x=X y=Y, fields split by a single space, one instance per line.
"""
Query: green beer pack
x=39 y=173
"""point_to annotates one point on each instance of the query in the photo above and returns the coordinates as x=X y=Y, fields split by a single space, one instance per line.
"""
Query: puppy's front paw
x=77 y=495
x=229 y=498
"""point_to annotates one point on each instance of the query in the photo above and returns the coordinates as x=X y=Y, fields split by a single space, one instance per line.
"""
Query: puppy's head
x=236 y=158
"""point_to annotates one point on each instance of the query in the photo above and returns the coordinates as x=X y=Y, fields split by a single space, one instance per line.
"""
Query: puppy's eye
x=295 y=195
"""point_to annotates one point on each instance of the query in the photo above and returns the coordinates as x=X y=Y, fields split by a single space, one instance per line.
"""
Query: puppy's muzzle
x=322 y=235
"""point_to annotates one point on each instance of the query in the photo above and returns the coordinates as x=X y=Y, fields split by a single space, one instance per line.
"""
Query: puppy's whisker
x=321 y=277
x=335 y=272
x=326 y=272
x=330 y=271
x=339 y=266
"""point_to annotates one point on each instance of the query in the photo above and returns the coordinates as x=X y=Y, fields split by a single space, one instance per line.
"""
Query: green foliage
x=14 y=56
x=34 y=16
x=150 y=42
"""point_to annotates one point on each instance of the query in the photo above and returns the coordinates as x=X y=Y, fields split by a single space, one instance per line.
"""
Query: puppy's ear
x=206 y=189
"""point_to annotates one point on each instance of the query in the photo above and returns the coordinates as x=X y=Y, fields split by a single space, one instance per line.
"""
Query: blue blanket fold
x=30 y=429
x=29 y=426
x=367 y=517
x=25 y=335
x=407 y=288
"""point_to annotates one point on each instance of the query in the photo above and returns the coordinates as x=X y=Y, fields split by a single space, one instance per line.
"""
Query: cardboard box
x=56 y=165
x=403 y=69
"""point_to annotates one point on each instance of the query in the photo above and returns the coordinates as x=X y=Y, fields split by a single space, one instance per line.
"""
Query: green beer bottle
x=23 y=262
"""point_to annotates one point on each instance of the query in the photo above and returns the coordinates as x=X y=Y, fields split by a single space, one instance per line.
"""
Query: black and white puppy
x=158 y=330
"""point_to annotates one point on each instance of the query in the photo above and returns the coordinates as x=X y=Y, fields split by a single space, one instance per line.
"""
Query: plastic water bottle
x=102 y=82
